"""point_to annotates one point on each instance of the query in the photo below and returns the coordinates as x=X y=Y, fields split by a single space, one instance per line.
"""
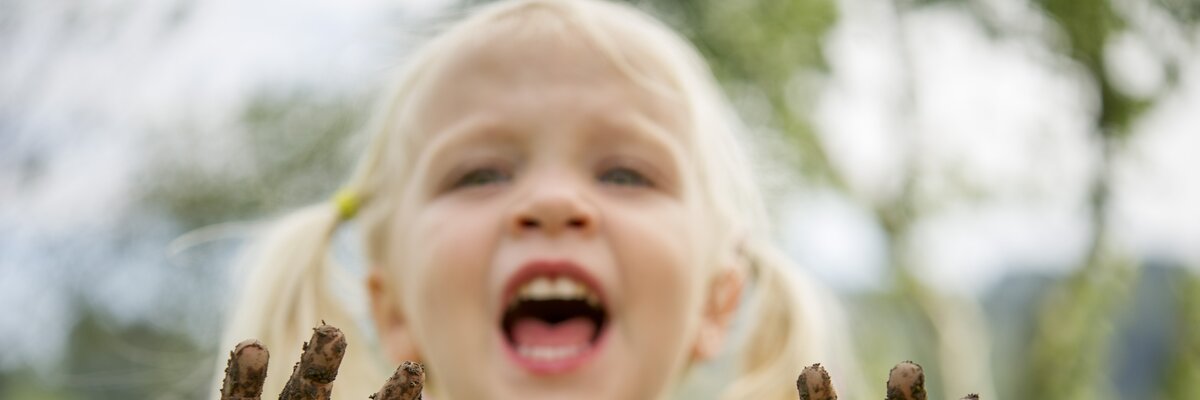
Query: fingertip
x=405 y=384
x=906 y=381
x=245 y=371
x=313 y=376
x=814 y=383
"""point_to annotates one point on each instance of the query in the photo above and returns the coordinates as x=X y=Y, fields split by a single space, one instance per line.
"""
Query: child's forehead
x=542 y=41
x=537 y=56
x=543 y=62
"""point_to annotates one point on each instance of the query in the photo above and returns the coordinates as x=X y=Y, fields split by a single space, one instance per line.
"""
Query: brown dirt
x=245 y=371
x=405 y=384
x=906 y=381
x=814 y=384
x=312 y=377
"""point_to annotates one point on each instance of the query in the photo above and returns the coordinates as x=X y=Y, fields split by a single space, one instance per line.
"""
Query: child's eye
x=482 y=176
x=624 y=177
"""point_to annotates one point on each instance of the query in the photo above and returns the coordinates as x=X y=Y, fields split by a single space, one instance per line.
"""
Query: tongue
x=535 y=332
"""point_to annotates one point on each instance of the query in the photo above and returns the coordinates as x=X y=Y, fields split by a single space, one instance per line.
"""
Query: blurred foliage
x=1088 y=25
x=1070 y=352
x=126 y=362
x=1183 y=378
x=295 y=148
x=1185 y=11
x=110 y=361
x=749 y=47
x=765 y=49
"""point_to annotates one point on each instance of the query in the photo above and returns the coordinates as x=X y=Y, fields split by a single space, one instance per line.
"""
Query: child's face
x=550 y=243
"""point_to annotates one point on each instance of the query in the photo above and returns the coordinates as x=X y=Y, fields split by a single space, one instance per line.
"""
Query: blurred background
x=1006 y=191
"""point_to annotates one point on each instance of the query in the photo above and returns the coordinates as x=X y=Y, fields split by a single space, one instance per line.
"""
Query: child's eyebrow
x=622 y=131
x=655 y=131
x=471 y=128
x=639 y=129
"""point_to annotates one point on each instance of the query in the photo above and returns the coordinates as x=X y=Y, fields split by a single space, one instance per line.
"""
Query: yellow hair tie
x=347 y=203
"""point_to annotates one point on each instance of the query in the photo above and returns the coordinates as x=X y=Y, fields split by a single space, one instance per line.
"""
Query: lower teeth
x=549 y=353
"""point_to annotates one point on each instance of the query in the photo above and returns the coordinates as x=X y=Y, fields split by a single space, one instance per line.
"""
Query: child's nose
x=553 y=210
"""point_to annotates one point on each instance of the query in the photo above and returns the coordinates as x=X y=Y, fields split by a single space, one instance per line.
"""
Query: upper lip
x=552 y=268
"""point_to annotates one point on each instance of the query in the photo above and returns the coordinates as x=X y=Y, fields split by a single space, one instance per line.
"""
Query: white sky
x=84 y=87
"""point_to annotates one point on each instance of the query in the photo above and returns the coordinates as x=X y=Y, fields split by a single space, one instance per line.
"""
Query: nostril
x=529 y=223
x=577 y=223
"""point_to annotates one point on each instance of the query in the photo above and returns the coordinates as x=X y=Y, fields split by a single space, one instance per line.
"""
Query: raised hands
x=906 y=381
x=312 y=377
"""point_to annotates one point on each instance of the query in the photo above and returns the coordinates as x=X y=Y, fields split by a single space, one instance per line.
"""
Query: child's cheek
x=656 y=250
x=446 y=281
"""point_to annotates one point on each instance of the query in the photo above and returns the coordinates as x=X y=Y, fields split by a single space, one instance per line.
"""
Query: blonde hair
x=794 y=322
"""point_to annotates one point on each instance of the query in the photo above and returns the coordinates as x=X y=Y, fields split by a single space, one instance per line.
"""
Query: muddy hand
x=312 y=377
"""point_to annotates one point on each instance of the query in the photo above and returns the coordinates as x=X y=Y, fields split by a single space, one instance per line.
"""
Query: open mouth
x=553 y=322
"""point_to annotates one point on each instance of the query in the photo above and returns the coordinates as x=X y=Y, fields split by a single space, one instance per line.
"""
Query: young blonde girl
x=575 y=139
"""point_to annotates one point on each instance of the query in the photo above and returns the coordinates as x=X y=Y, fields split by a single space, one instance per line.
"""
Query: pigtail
x=286 y=293
x=287 y=274
x=793 y=323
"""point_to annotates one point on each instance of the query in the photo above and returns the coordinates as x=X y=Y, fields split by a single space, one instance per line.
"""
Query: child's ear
x=724 y=296
x=393 y=333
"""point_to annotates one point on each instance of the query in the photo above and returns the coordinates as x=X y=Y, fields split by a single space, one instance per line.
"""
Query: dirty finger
x=245 y=371
x=405 y=384
x=312 y=377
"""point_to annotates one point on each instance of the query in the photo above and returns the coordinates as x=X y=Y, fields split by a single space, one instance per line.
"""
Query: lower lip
x=559 y=365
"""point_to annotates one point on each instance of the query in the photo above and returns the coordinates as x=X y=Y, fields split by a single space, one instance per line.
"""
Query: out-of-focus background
x=1007 y=191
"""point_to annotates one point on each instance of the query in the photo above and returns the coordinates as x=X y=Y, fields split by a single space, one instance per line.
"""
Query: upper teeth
x=557 y=288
